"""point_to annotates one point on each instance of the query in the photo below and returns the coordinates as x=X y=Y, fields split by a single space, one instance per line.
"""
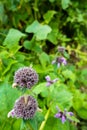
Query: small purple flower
x=59 y=61
x=49 y=81
x=63 y=115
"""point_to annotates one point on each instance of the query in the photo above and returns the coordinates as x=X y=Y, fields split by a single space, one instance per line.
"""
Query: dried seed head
x=25 y=77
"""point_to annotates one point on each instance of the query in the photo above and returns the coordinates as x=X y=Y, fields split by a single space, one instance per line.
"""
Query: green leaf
x=43 y=32
x=36 y=120
x=82 y=112
x=80 y=104
x=33 y=123
x=83 y=76
x=39 y=117
x=28 y=44
x=68 y=74
x=56 y=124
x=33 y=28
x=20 y=57
x=12 y=38
x=12 y=62
x=23 y=125
x=49 y=15
x=7 y=99
x=44 y=59
x=53 y=36
x=62 y=96
x=39 y=88
x=65 y=3
x=40 y=31
x=32 y=45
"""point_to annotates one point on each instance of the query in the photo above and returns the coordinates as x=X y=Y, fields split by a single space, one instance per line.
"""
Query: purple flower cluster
x=49 y=81
x=25 y=77
x=25 y=107
x=59 y=61
x=63 y=115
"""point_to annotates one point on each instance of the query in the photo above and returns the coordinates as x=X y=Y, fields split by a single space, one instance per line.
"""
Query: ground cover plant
x=43 y=65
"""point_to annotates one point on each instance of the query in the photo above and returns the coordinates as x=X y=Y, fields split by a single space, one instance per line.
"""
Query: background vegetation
x=30 y=33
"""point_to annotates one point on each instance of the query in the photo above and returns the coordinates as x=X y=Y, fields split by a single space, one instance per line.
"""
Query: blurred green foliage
x=30 y=33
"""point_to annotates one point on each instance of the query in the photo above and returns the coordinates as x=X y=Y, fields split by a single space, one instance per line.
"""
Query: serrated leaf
x=43 y=32
x=62 y=96
x=33 y=28
x=40 y=31
x=12 y=38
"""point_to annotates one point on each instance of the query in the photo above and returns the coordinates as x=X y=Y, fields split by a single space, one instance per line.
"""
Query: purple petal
x=54 y=61
x=58 y=115
x=64 y=62
x=11 y=113
x=55 y=80
x=70 y=113
x=47 y=78
x=63 y=119
x=48 y=84
x=58 y=65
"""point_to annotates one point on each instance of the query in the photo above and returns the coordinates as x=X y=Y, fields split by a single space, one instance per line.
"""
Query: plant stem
x=36 y=9
x=3 y=34
x=77 y=51
x=44 y=122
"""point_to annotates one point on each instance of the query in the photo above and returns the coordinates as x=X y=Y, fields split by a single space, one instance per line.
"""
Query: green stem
x=77 y=51
x=44 y=122
x=3 y=34
x=36 y=9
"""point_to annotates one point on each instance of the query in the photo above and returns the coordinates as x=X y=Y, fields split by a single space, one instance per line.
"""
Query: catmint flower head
x=63 y=115
x=61 y=49
x=25 y=107
x=59 y=61
x=25 y=77
x=49 y=81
